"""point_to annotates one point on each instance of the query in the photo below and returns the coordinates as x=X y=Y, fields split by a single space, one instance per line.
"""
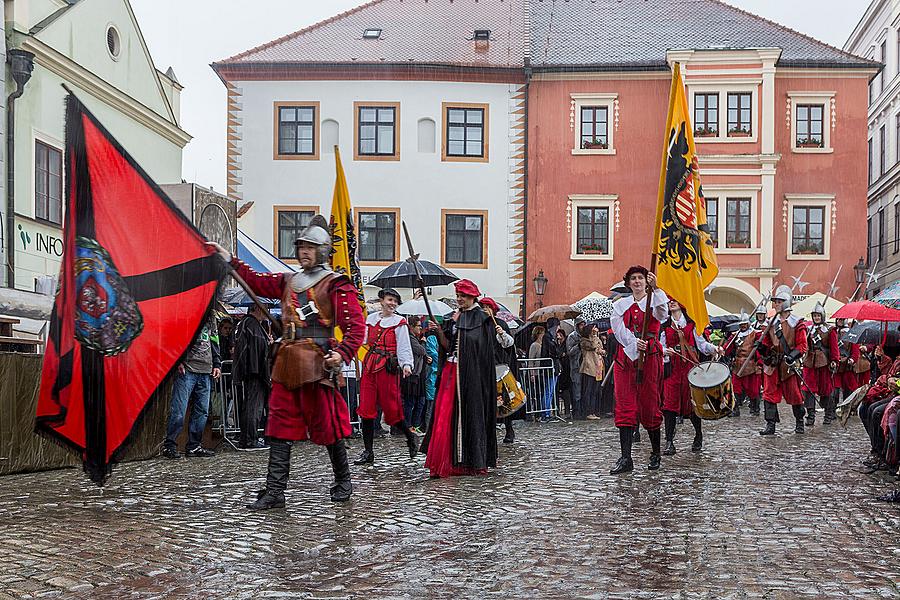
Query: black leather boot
x=412 y=442
x=697 y=446
x=669 y=423
x=342 y=488
x=830 y=406
x=809 y=403
x=624 y=464
x=754 y=406
x=799 y=412
x=276 y=477
x=655 y=459
x=771 y=414
x=368 y=433
x=769 y=429
x=736 y=411
x=510 y=436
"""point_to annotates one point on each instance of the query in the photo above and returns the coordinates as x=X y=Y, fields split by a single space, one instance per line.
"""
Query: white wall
x=420 y=184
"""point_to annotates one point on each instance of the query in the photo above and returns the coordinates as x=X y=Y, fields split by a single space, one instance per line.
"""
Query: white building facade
x=95 y=48
x=877 y=37
x=439 y=147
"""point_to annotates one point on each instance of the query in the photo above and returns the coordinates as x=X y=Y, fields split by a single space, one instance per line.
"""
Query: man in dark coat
x=251 y=369
x=462 y=439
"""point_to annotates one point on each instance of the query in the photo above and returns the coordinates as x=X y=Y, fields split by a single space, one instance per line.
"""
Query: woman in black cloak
x=462 y=437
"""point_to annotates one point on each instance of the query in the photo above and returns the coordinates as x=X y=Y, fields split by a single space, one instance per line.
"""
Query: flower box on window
x=592 y=249
x=808 y=249
x=595 y=144
x=743 y=244
x=741 y=132
x=810 y=143
x=704 y=132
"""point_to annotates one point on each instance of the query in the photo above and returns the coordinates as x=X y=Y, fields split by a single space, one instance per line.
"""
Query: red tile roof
x=433 y=32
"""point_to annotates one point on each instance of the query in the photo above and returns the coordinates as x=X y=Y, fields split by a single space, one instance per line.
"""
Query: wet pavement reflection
x=749 y=517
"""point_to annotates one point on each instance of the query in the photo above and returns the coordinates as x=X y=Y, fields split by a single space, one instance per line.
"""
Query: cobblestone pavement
x=749 y=517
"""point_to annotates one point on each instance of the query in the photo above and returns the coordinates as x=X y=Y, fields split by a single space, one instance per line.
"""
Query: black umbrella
x=403 y=275
x=872 y=333
x=236 y=296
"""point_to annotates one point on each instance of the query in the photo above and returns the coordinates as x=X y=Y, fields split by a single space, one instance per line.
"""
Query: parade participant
x=745 y=381
x=846 y=381
x=504 y=354
x=314 y=302
x=251 y=369
x=462 y=438
x=760 y=318
x=638 y=402
x=682 y=345
x=782 y=348
x=390 y=353
x=818 y=365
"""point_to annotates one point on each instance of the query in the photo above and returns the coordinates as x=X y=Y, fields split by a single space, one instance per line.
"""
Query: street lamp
x=860 y=271
x=540 y=286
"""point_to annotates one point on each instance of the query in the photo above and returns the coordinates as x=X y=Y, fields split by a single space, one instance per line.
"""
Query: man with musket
x=745 y=380
x=305 y=402
x=637 y=401
x=390 y=353
x=682 y=345
x=818 y=367
x=846 y=380
x=782 y=347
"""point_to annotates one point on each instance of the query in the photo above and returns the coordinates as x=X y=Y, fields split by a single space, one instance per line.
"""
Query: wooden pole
x=639 y=365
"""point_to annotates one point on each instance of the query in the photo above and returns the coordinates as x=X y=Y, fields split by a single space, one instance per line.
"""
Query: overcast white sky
x=189 y=34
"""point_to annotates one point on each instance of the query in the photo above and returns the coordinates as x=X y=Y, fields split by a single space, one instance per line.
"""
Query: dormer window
x=372 y=33
x=482 y=35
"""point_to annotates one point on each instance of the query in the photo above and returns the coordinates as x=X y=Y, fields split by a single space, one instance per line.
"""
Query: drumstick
x=686 y=359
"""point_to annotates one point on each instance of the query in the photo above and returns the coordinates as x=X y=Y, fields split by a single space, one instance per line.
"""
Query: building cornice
x=282 y=71
x=872 y=11
x=72 y=72
x=739 y=159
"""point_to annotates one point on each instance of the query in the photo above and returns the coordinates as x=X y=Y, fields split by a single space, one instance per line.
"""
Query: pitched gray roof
x=635 y=34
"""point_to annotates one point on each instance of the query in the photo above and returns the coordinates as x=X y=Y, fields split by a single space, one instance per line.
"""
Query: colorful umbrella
x=594 y=309
x=890 y=296
x=866 y=310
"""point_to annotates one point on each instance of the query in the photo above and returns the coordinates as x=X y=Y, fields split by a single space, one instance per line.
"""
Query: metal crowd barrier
x=538 y=378
x=229 y=395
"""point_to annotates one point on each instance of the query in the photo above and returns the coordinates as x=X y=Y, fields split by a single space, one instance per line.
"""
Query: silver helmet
x=784 y=294
x=745 y=318
x=317 y=234
x=818 y=309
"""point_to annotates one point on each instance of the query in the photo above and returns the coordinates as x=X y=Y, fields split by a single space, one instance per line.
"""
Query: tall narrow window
x=739 y=114
x=882 y=152
x=378 y=236
x=883 y=70
x=808 y=234
x=737 y=223
x=896 y=227
x=465 y=238
x=810 y=119
x=870 y=255
x=594 y=127
x=706 y=114
x=881 y=235
x=465 y=132
x=290 y=223
x=377 y=128
x=897 y=135
x=593 y=230
x=871 y=163
x=47 y=183
x=712 y=219
x=297 y=130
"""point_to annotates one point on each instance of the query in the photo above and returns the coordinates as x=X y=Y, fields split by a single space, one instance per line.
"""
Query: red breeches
x=313 y=411
x=380 y=390
x=774 y=389
x=677 y=391
x=746 y=386
x=819 y=381
x=638 y=403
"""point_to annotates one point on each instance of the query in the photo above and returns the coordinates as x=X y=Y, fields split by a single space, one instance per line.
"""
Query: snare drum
x=510 y=395
x=711 y=391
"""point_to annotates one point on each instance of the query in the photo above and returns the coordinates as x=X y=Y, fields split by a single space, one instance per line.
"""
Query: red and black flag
x=136 y=285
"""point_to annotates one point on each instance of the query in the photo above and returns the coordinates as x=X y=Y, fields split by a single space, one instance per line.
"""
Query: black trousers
x=255 y=392
x=876 y=413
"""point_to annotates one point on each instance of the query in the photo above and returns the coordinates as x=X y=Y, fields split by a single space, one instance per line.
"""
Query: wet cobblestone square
x=749 y=517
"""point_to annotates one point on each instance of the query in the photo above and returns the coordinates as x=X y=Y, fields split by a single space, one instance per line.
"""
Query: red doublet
x=848 y=380
x=378 y=388
x=676 y=389
x=747 y=385
x=820 y=381
x=314 y=411
x=639 y=403
x=774 y=389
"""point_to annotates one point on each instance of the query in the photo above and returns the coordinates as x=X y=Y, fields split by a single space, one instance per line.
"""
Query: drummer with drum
x=818 y=365
x=782 y=345
x=681 y=343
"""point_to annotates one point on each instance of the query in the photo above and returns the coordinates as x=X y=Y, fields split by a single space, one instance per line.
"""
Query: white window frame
x=607 y=201
x=607 y=100
x=823 y=98
x=723 y=88
x=722 y=193
x=823 y=200
x=56 y=144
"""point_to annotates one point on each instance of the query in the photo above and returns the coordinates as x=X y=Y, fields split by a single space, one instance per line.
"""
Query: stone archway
x=734 y=295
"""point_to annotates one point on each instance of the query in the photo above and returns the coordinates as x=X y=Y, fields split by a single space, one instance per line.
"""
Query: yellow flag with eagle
x=343 y=236
x=686 y=261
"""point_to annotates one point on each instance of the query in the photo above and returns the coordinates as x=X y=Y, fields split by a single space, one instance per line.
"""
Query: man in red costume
x=745 y=380
x=818 y=366
x=314 y=302
x=782 y=349
x=638 y=402
x=845 y=378
x=387 y=336
x=682 y=345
